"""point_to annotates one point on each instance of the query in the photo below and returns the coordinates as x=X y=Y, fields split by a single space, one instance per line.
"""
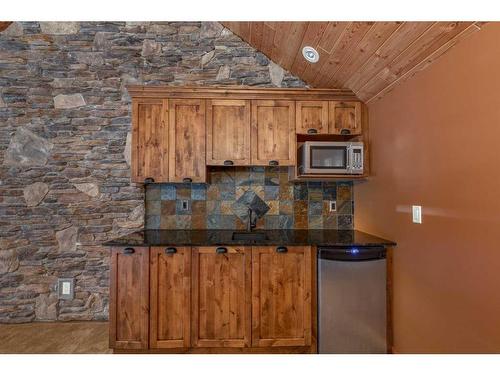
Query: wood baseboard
x=280 y=350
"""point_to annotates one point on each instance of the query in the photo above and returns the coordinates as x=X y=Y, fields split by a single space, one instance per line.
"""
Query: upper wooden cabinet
x=170 y=301
x=228 y=132
x=311 y=117
x=221 y=296
x=328 y=117
x=129 y=298
x=149 y=140
x=178 y=131
x=281 y=296
x=345 y=117
x=273 y=132
x=187 y=140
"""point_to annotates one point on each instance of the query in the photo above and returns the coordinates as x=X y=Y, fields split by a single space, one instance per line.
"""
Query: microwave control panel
x=356 y=159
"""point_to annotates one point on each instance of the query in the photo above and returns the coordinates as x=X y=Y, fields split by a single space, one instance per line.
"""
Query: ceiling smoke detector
x=310 y=54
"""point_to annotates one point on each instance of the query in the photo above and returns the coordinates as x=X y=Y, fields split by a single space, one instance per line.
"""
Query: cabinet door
x=281 y=296
x=187 y=140
x=170 y=297
x=221 y=292
x=228 y=132
x=345 y=116
x=129 y=298
x=311 y=117
x=273 y=132
x=149 y=140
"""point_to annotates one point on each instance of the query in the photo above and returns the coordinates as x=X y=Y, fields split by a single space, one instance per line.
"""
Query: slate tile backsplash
x=223 y=202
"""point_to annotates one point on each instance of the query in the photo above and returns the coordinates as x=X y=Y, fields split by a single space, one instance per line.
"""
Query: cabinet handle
x=170 y=250
x=128 y=250
x=187 y=180
x=273 y=163
x=221 y=250
x=345 y=132
x=281 y=249
x=312 y=131
x=149 y=180
x=228 y=162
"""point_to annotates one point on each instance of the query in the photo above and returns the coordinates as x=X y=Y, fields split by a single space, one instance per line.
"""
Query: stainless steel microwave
x=330 y=158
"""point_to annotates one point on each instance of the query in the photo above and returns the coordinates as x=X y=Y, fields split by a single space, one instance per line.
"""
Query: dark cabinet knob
x=149 y=180
x=128 y=250
x=312 y=131
x=273 y=163
x=221 y=250
x=170 y=250
x=345 y=132
x=281 y=249
x=228 y=162
x=187 y=180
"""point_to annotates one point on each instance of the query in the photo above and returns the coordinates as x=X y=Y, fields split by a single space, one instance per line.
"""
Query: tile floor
x=54 y=337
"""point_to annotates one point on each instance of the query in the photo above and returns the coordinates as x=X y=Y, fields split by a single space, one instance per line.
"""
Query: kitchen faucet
x=251 y=222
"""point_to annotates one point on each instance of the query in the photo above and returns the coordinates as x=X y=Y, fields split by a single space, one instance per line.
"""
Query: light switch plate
x=333 y=206
x=184 y=205
x=417 y=214
x=66 y=288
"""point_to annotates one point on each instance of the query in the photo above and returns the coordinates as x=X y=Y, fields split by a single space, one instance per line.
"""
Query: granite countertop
x=272 y=237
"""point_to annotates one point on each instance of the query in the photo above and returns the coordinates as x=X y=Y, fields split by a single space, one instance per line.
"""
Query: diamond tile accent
x=249 y=200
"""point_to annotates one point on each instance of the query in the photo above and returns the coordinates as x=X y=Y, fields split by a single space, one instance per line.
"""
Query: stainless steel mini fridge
x=352 y=312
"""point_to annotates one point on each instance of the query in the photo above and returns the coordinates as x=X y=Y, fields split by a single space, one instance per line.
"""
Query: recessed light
x=310 y=54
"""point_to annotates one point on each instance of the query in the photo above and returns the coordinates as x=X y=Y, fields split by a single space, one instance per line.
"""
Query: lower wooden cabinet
x=281 y=301
x=129 y=298
x=221 y=292
x=213 y=299
x=170 y=291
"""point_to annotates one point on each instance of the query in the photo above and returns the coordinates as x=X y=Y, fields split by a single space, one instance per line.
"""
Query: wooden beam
x=4 y=25
x=239 y=92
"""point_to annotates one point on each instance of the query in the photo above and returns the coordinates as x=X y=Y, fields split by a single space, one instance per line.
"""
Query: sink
x=249 y=236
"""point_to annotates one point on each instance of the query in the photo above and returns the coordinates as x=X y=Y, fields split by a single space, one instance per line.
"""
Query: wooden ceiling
x=369 y=58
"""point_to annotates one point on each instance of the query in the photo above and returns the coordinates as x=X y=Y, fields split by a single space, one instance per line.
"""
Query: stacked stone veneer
x=64 y=165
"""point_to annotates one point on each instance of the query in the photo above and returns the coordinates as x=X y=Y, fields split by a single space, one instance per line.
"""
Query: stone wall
x=64 y=119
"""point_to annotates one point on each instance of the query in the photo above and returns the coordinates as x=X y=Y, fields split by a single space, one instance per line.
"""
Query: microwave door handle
x=348 y=159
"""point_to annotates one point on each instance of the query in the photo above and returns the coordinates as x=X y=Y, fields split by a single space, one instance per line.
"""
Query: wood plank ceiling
x=369 y=58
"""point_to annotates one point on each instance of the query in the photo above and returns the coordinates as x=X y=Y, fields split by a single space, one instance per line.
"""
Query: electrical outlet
x=417 y=214
x=184 y=205
x=66 y=288
x=333 y=206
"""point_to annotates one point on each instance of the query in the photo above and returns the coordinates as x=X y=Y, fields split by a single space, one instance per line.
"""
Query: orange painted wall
x=435 y=142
